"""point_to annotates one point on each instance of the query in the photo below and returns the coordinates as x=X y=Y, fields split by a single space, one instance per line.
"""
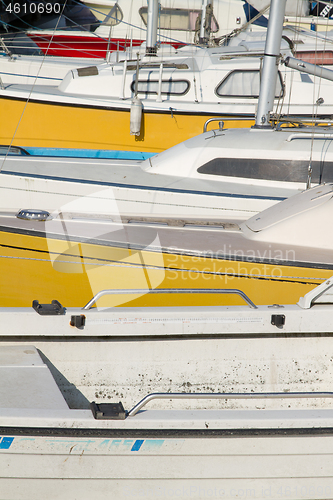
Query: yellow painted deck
x=44 y=269
x=64 y=126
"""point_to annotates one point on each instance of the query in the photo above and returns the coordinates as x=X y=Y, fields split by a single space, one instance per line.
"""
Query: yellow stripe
x=88 y=128
x=72 y=273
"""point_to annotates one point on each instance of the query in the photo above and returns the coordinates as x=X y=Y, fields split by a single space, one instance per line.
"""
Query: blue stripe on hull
x=89 y=153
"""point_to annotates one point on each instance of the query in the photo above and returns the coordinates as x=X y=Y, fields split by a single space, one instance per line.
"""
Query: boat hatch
x=291 y=207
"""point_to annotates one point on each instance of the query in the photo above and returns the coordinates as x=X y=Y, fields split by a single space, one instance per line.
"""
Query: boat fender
x=136 y=116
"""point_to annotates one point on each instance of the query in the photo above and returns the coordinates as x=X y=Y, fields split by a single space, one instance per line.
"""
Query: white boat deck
x=30 y=398
x=26 y=382
x=127 y=174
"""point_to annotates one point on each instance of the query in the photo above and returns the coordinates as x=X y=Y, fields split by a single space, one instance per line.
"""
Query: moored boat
x=222 y=174
x=73 y=255
x=175 y=94
x=155 y=451
x=221 y=386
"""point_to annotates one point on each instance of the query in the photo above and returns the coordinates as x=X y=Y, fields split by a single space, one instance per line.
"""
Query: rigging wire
x=31 y=90
x=316 y=104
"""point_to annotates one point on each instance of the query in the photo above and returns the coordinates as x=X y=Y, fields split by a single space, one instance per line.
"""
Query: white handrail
x=226 y=395
x=169 y=290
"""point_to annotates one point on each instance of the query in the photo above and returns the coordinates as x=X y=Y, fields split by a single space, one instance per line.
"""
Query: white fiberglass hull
x=125 y=353
x=206 y=176
x=191 y=201
x=38 y=70
x=48 y=450
x=132 y=463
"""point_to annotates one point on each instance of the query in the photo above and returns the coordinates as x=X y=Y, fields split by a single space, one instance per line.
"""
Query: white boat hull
x=276 y=466
x=125 y=353
x=265 y=441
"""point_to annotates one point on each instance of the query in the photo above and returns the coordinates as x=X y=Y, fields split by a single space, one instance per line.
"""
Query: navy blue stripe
x=35 y=76
x=145 y=188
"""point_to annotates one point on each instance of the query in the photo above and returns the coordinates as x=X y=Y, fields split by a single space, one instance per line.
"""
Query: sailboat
x=149 y=100
x=82 y=254
x=208 y=175
x=124 y=24
x=121 y=27
x=108 y=241
x=242 y=393
x=186 y=391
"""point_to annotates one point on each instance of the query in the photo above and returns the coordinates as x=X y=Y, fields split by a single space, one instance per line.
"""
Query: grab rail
x=226 y=395
x=309 y=135
x=218 y=119
x=228 y=118
x=169 y=290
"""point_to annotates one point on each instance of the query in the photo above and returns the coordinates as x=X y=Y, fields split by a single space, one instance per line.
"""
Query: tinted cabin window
x=273 y=170
x=115 y=16
x=177 y=19
x=246 y=83
x=169 y=87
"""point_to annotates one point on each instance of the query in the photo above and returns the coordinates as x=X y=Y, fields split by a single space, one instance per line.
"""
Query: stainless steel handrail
x=226 y=395
x=217 y=119
x=227 y=118
x=169 y=290
x=310 y=135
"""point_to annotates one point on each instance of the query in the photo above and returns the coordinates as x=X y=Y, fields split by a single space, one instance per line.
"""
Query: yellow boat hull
x=44 y=269
x=83 y=127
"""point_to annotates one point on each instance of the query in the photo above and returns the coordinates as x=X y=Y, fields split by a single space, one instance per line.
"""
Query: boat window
x=114 y=17
x=169 y=87
x=316 y=57
x=178 y=19
x=13 y=150
x=132 y=67
x=273 y=170
x=245 y=83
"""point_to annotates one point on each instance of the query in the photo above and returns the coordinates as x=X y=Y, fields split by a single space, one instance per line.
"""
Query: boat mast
x=205 y=22
x=270 y=64
x=152 y=19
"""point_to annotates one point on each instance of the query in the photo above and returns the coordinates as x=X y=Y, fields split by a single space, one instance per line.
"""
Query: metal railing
x=221 y=120
x=227 y=395
x=144 y=291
